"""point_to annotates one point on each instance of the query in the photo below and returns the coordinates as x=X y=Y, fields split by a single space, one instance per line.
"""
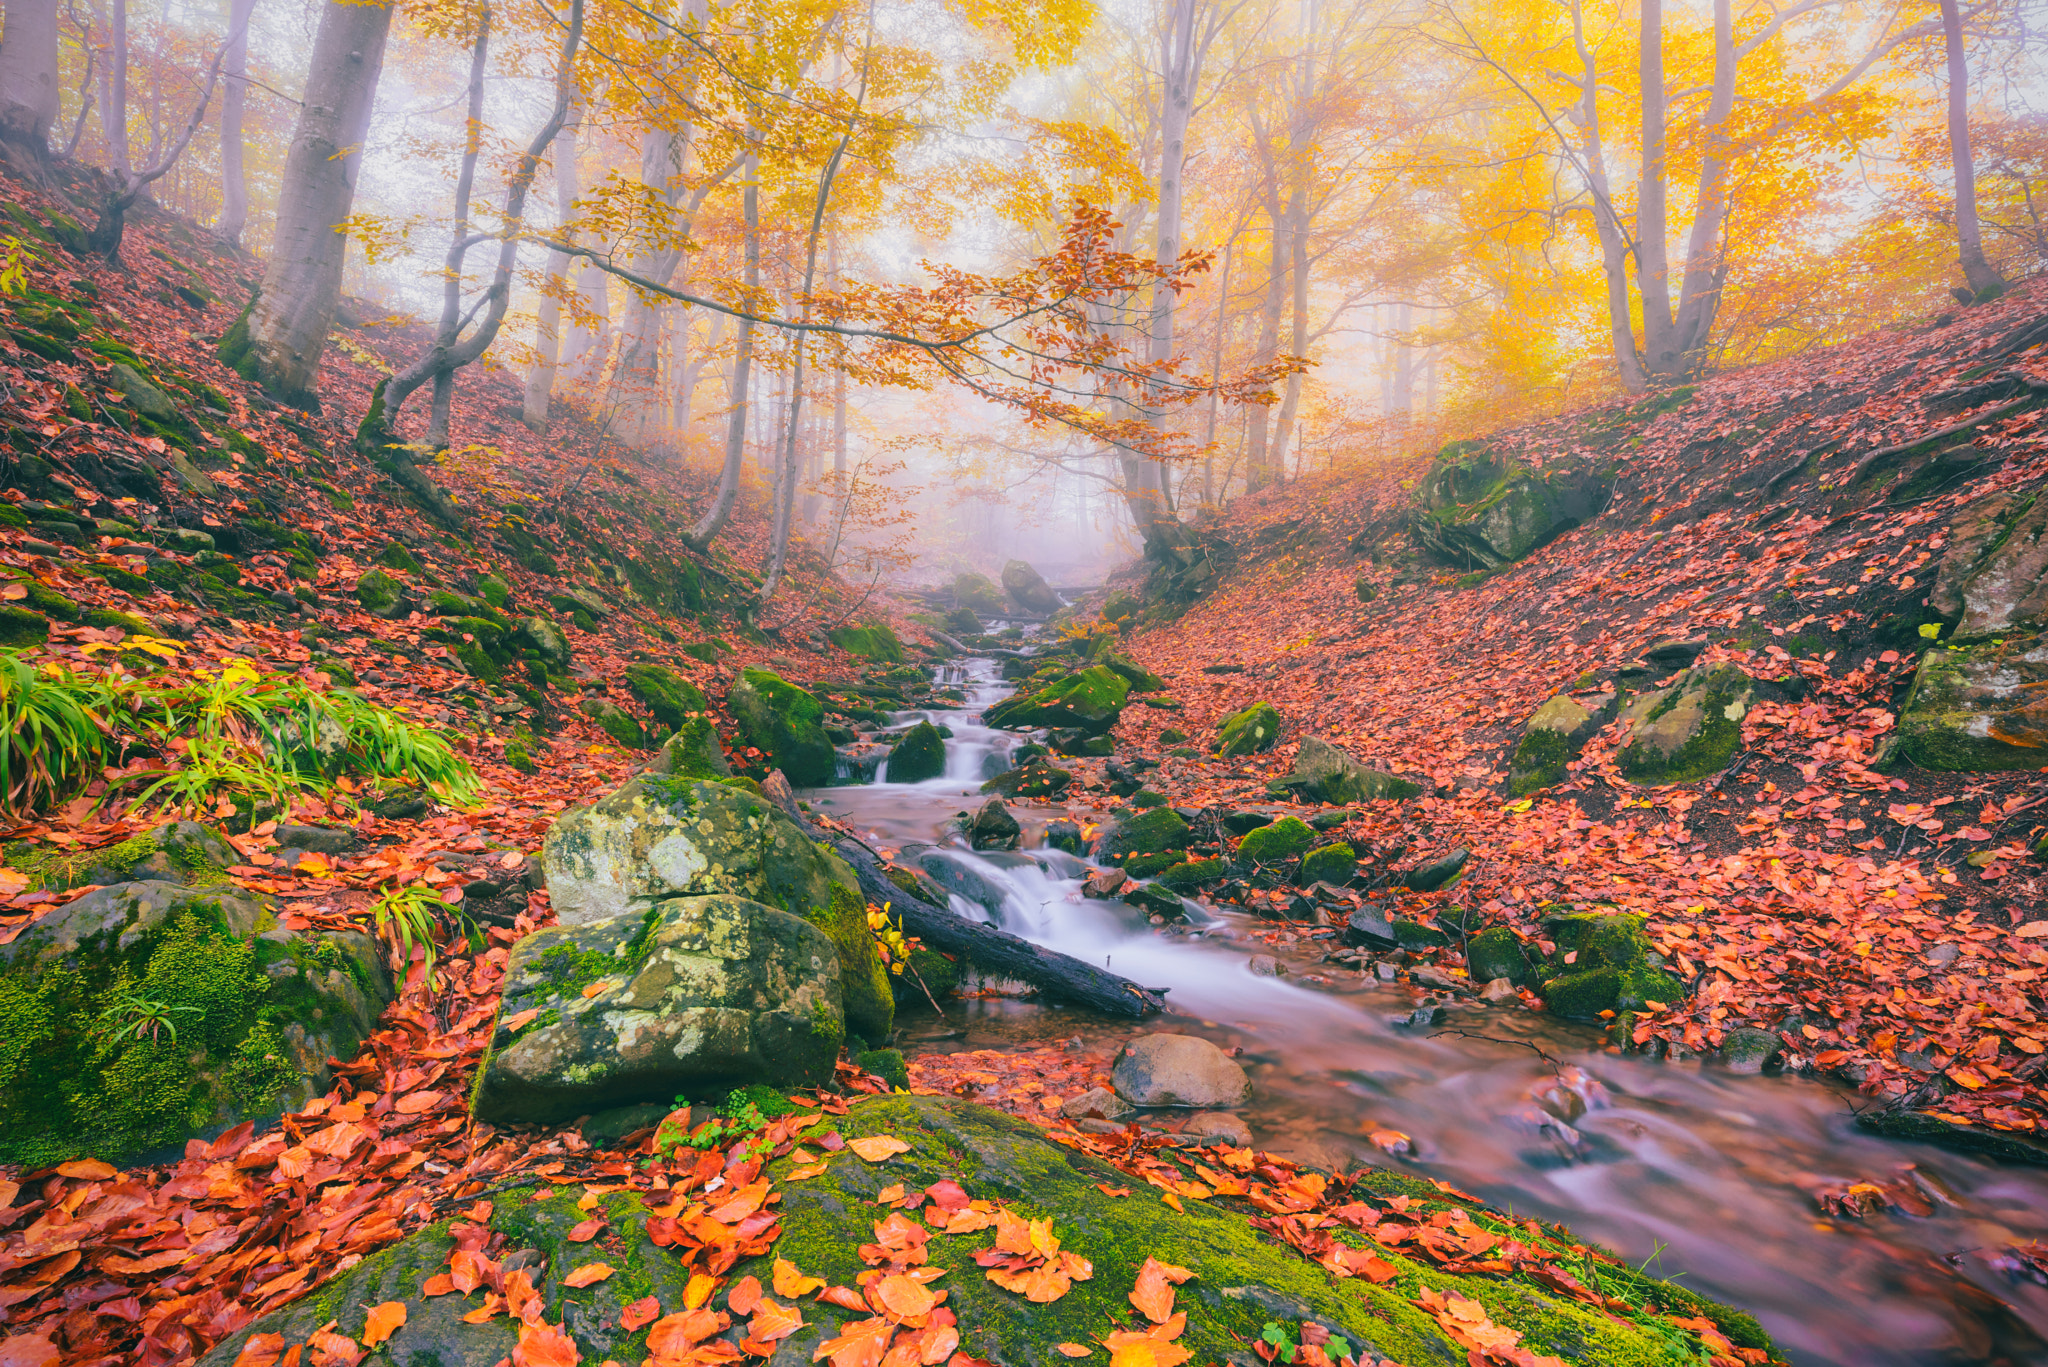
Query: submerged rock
x=694 y=997
x=144 y=1013
x=785 y=723
x=1178 y=1070
x=1242 y=1279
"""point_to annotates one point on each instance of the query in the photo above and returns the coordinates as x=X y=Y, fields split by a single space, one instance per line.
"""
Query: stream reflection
x=1703 y=1175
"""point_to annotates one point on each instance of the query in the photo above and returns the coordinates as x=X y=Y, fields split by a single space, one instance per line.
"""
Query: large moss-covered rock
x=1324 y=773
x=176 y=852
x=863 y=978
x=1497 y=953
x=1242 y=1279
x=1554 y=734
x=1979 y=707
x=670 y=697
x=1090 y=701
x=920 y=755
x=616 y=722
x=1254 y=729
x=1330 y=864
x=1282 y=839
x=146 y=1012
x=1688 y=730
x=785 y=723
x=1994 y=576
x=694 y=751
x=1477 y=508
x=1141 y=679
x=1610 y=968
x=1035 y=777
x=380 y=594
x=1146 y=832
x=980 y=594
x=544 y=639
x=874 y=641
x=693 y=997
x=1028 y=590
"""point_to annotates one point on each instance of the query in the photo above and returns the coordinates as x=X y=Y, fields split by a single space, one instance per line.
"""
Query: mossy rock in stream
x=787 y=724
x=1243 y=1280
x=920 y=755
x=1090 y=700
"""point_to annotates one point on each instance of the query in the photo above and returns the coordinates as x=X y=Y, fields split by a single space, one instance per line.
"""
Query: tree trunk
x=28 y=84
x=540 y=381
x=713 y=522
x=1983 y=278
x=1297 y=241
x=1628 y=362
x=234 y=184
x=1700 y=296
x=114 y=114
x=1653 y=269
x=278 y=343
x=1258 y=459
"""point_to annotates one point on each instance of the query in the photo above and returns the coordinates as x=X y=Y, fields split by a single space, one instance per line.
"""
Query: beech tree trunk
x=1258 y=458
x=1980 y=273
x=540 y=381
x=1653 y=269
x=279 y=341
x=715 y=517
x=234 y=184
x=28 y=83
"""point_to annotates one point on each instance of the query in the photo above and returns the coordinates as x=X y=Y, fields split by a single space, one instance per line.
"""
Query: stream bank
x=1683 y=1167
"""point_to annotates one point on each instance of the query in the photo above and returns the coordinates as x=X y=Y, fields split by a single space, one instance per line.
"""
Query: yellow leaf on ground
x=790 y=1282
x=876 y=1147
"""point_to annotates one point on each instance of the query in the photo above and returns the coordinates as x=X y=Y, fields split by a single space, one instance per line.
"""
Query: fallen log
x=996 y=953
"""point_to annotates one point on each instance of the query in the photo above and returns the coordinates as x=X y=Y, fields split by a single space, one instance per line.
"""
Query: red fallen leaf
x=413 y=1103
x=640 y=1313
x=587 y=1230
x=27 y=1350
x=259 y=1350
x=674 y=1335
x=90 y=1168
x=744 y=1296
x=843 y=1297
x=588 y=1275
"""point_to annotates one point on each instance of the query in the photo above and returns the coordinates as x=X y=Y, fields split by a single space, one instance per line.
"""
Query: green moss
x=666 y=694
x=1282 y=839
x=920 y=755
x=1254 y=729
x=787 y=724
x=378 y=592
x=875 y=641
x=1150 y=832
x=21 y=628
x=863 y=978
x=1330 y=864
x=1193 y=872
x=1720 y=699
x=1498 y=953
x=1538 y=762
x=888 y=1065
x=395 y=556
x=1091 y=699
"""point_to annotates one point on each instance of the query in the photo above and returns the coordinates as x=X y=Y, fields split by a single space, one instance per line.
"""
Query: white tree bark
x=234 y=182
x=540 y=381
x=288 y=326
x=28 y=81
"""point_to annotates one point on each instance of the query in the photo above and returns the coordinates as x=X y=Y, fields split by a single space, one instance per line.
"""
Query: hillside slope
x=1821 y=851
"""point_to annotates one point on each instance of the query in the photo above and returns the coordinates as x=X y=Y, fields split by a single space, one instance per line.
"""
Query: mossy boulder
x=692 y=997
x=1324 y=773
x=1090 y=700
x=1477 y=507
x=1689 y=730
x=920 y=755
x=1254 y=729
x=694 y=751
x=616 y=722
x=1282 y=839
x=1035 y=777
x=1993 y=579
x=980 y=594
x=1498 y=953
x=1553 y=736
x=1141 y=679
x=380 y=594
x=176 y=852
x=875 y=641
x=1329 y=864
x=1026 y=588
x=1148 y=832
x=544 y=639
x=1980 y=707
x=863 y=977
x=1191 y=873
x=396 y=556
x=21 y=628
x=1584 y=996
x=785 y=723
x=1610 y=968
x=146 y=1012
x=667 y=695
x=1242 y=1279
x=493 y=590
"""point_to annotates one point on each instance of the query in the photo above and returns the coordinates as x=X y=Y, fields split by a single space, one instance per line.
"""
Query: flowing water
x=1701 y=1174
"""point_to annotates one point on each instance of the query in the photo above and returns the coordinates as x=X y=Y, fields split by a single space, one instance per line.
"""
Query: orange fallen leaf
x=790 y=1282
x=544 y=1345
x=413 y=1103
x=1074 y=1350
x=589 y=1274
x=806 y=1171
x=904 y=1298
x=875 y=1147
x=639 y=1314
x=744 y=1296
x=90 y=1168
x=773 y=1321
x=384 y=1321
x=258 y=1350
x=587 y=1230
x=1153 y=1294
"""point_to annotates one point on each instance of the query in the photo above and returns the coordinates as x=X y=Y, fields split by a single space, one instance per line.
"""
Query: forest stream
x=1681 y=1167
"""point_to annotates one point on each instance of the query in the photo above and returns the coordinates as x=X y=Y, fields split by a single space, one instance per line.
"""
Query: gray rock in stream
x=1178 y=1070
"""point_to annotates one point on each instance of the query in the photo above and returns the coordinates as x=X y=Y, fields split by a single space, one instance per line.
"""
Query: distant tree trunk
x=1700 y=293
x=1980 y=273
x=105 y=237
x=1297 y=323
x=1258 y=459
x=1216 y=378
x=279 y=341
x=1607 y=224
x=114 y=113
x=1653 y=269
x=540 y=381
x=234 y=185
x=28 y=84
x=713 y=522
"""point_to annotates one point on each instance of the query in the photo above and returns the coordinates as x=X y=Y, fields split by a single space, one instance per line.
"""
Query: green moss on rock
x=1090 y=700
x=666 y=694
x=1282 y=839
x=920 y=755
x=1254 y=729
x=874 y=641
x=1330 y=864
x=787 y=724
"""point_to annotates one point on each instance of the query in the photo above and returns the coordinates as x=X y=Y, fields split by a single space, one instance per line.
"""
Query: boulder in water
x=1090 y=700
x=696 y=996
x=1097 y=1101
x=920 y=755
x=1254 y=729
x=785 y=723
x=1028 y=590
x=1218 y=1125
x=991 y=827
x=1178 y=1070
x=980 y=594
x=145 y=1013
x=1746 y=1049
x=1065 y=835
